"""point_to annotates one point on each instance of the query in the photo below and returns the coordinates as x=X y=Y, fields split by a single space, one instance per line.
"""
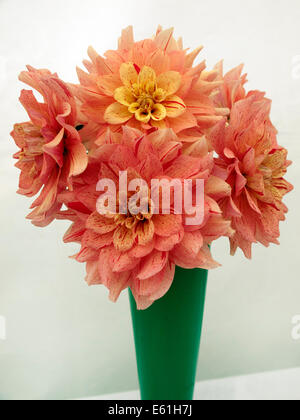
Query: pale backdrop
x=65 y=340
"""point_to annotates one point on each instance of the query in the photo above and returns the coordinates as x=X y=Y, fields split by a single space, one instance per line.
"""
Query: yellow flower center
x=270 y=185
x=133 y=227
x=31 y=141
x=146 y=95
x=273 y=169
x=131 y=221
x=146 y=104
x=134 y=216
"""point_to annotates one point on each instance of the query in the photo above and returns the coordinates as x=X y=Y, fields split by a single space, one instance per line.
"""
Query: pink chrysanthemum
x=51 y=151
x=251 y=161
x=141 y=251
x=149 y=84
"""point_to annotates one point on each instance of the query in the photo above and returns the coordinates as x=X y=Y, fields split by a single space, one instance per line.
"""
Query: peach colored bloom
x=51 y=152
x=148 y=84
x=251 y=161
x=141 y=251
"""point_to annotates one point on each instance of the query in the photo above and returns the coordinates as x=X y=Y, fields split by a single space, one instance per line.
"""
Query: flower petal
x=126 y=41
x=108 y=84
x=122 y=261
x=159 y=124
x=100 y=224
x=166 y=143
x=124 y=96
x=170 y=82
x=165 y=40
x=128 y=74
x=140 y=251
x=143 y=115
x=183 y=122
x=94 y=240
x=216 y=188
x=124 y=238
x=145 y=232
x=117 y=114
x=55 y=148
x=152 y=264
x=92 y=277
x=147 y=291
x=168 y=243
x=167 y=224
x=155 y=287
x=174 y=106
x=77 y=159
x=158 y=112
x=146 y=76
x=115 y=282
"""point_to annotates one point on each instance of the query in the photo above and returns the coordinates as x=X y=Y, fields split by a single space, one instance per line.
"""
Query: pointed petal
x=217 y=188
x=78 y=159
x=165 y=40
x=147 y=75
x=190 y=58
x=128 y=74
x=152 y=264
x=56 y=148
x=115 y=282
x=127 y=40
x=92 y=277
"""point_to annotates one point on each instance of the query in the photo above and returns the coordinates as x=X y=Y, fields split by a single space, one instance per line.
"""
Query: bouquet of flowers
x=151 y=158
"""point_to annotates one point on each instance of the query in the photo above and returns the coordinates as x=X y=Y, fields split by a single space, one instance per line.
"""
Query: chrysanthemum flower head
x=252 y=162
x=148 y=84
x=140 y=250
x=51 y=151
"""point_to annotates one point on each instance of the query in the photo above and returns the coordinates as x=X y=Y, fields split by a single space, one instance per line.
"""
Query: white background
x=65 y=340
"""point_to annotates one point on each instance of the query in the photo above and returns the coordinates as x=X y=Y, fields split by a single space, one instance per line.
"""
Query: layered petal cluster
x=51 y=151
x=146 y=84
x=232 y=89
x=252 y=162
x=141 y=250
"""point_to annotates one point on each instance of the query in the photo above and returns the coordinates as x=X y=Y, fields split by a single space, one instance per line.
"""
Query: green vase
x=167 y=338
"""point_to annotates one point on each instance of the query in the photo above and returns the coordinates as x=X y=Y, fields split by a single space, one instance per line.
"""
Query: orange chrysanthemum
x=140 y=251
x=51 y=151
x=251 y=161
x=149 y=84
